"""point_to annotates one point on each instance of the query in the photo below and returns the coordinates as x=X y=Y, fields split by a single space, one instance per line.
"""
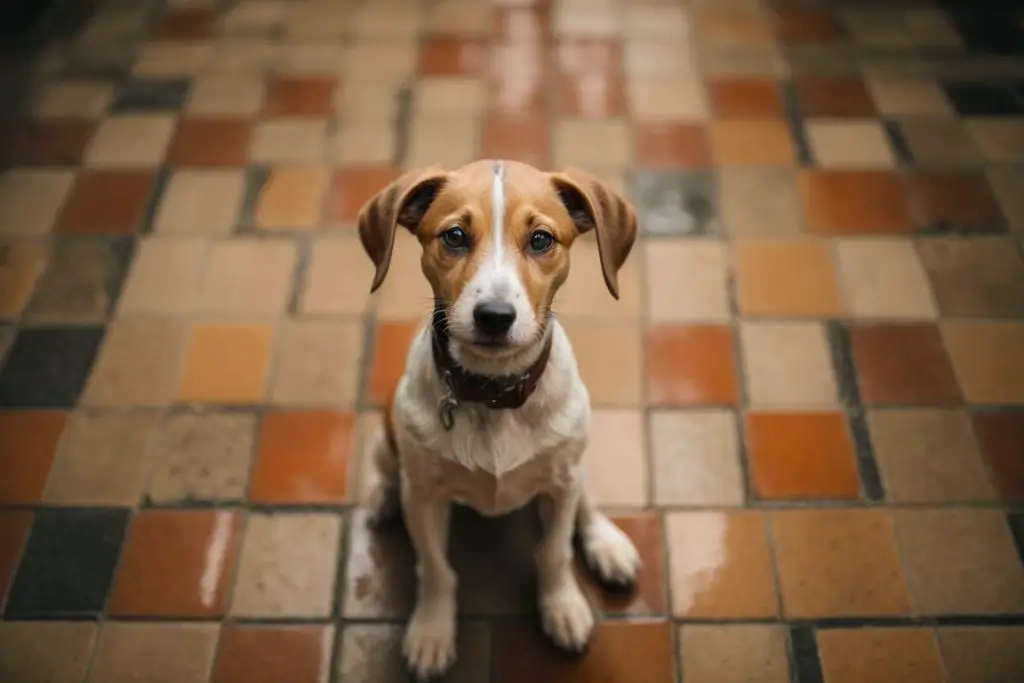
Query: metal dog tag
x=448 y=403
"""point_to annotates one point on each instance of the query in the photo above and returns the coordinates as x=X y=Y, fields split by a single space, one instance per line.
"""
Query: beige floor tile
x=788 y=365
x=235 y=95
x=382 y=21
x=130 y=140
x=226 y=363
x=244 y=56
x=946 y=551
x=138 y=363
x=849 y=144
x=655 y=59
x=719 y=565
x=747 y=653
x=988 y=358
x=463 y=19
x=786 y=277
x=293 y=197
x=674 y=97
x=200 y=202
x=665 y=22
x=883 y=278
x=338 y=278
x=443 y=96
x=167 y=59
x=255 y=18
x=405 y=294
x=613 y=369
x=103 y=460
x=363 y=143
x=909 y=97
x=1000 y=140
x=369 y=99
x=285 y=141
x=202 y=456
x=287 y=566
x=759 y=201
x=584 y=293
x=319 y=20
x=695 y=458
x=155 y=653
x=616 y=459
x=928 y=456
x=318 y=364
x=866 y=655
x=685 y=280
x=164 y=277
x=450 y=141
x=248 y=277
x=31 y=200
x=45 y=651
x=835 y=563
x=592 y=144
x=379 y=57
x=23 y=264
x=987 y=654
x=302 y=58
x=74 y=99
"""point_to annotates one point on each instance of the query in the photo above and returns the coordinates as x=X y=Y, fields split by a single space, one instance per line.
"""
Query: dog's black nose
x=494 y=318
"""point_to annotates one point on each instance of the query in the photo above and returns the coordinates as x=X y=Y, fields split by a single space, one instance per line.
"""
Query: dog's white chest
x=491 y=494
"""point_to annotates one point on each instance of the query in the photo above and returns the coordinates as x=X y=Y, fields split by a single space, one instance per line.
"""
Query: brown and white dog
x=491 y=411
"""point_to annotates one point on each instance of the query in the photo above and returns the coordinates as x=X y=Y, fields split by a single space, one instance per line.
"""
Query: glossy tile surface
x=808 y=399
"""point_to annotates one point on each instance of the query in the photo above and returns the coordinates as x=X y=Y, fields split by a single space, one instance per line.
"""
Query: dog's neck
x=495 y=391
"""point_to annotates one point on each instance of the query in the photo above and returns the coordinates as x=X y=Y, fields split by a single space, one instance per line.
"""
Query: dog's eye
x=541 y=241
x=454 y=239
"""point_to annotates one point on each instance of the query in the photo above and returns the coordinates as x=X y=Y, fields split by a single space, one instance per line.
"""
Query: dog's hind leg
x=607 y=550
x=383 y=500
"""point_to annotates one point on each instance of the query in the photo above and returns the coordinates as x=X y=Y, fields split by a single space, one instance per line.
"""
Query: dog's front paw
x=610 y=553
x=429 y=646
x=567 y=617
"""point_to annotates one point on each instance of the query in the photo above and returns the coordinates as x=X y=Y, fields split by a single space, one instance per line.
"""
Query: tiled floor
x=809 y=401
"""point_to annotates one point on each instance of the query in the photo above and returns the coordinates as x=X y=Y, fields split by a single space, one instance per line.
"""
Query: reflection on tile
x=675 y=203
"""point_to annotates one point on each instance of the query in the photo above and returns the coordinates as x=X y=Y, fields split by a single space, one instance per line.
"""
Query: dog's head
x=496 y=238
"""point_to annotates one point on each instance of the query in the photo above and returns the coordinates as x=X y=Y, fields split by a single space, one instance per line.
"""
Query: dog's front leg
x=429 y=646
x=565 y=613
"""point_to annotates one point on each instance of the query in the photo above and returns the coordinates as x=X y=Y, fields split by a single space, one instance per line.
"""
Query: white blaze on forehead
x=498 y=205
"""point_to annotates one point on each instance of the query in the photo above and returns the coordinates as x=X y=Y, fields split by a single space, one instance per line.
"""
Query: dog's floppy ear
x=594 y=206
x=404 y=202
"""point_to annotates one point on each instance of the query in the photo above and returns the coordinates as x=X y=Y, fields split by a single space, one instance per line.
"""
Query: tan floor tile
x=928 y=456
x=318 y=364
x=138 y=363
x=947 y=551
x=382 y=21
x=369 y=98
x=667 y=98
x=686 y=280
x=593 y=144
x=752 y=142
x=584 y=293
x=226 y=363
x=909 y=97
x=1000 y=140
x=987 y=654
x=988 y=359
x=439 y=97
x=318 y=21
x=787 y=364
x=866 y=655
x=457 y=18
x=168 y=59
x=835 y=563
x=405 y=294
x=792 y=277
x=695 y=458
x=255 y=18
x=719 y=565
x=130 y=140
x=248 y=277
x=849 y=143
x=359 y=143
x=738 y=61
x=450 y=141
x=287 y=566
x=155 y=653
x=235 y=95
x=31 y=200
x=202 y=456
x=103 y=460
x=302 y=58
x=981 y=277
x=748 y=653
x=1006 y=182
x=613 y=369
x=940 y=142
x=23 y=264
x=289 y=141
x=338 y=278
x=200 y=202
x=884 y=278
x=658 y=58
x=45 y=651
x=759 y=201
x=164 y=277
x=616 y=458
x=246 y=57
x=74 y=99
x=292 y=198
x=380 y=58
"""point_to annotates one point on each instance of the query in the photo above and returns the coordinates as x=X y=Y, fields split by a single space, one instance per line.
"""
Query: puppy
x=491 y=411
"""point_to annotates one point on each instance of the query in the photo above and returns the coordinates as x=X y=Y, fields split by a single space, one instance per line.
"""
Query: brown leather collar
x=505 y=391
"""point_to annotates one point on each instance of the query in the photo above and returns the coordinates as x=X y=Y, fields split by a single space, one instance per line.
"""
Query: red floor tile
x=187 y=24
x=746 y=97
x=107 y=202
x=15 y=526
x=519 y=138
x=902 y=364
x=691 y=365
x=272 y=654
x=210 y=142
x=28 y=444
x=1000 y=435
x=834 y=96
x=300 y=97
x=447 y=56
x=352 y=187
x=648 y=596
x=44 y=143
x=672 y=145
x=854 y=202
x=390 y=349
